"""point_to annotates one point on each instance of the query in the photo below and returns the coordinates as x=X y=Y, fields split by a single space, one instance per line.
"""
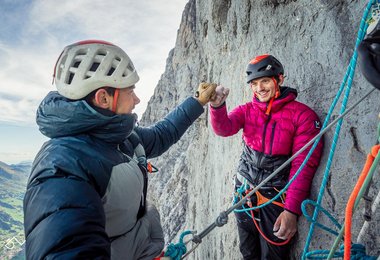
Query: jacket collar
x=287 y=95
x=58 y=116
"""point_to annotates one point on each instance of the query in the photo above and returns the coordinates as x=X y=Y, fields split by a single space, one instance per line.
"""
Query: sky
x=34 y=32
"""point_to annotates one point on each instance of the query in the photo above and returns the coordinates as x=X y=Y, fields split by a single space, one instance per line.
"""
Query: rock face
x=216 y=40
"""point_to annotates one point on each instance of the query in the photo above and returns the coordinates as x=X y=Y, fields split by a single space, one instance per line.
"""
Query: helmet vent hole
x=94 y=66
x=76 y=64
x=112 y=69
x=130 y=67
x=102 y=53
x=71 y=76
x=263 y=68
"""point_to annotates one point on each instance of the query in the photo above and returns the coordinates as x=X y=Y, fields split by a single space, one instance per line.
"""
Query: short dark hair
x=91 y=96
x=277 y=78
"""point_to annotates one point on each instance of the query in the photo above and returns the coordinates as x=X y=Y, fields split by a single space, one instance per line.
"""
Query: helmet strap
x=277 y=88
x=115 y=98
x=269 y=107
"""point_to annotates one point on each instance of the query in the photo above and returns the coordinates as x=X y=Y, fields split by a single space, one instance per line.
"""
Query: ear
x=103 y=99
x=280 y=79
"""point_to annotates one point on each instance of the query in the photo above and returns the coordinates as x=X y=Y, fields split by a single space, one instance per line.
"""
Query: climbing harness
x=264 y=236
x=259 y=199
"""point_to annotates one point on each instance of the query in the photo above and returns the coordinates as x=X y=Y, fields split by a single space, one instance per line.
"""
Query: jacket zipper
x=263 y=146
x=272 y=138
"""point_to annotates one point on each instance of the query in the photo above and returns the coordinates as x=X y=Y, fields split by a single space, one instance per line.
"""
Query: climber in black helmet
x=274 y=127
x=369 y=54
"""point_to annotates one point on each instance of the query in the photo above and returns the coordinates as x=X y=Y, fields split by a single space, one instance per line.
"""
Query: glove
x=205 y=92
x=221 y=93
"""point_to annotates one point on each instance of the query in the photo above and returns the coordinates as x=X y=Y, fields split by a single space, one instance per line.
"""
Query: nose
x=136 y=99
x=260 y=86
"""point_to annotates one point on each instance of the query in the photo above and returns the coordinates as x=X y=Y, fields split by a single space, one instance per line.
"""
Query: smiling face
x=265 y=88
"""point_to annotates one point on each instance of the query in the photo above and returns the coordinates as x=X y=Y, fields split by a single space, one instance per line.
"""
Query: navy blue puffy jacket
x=65 y=201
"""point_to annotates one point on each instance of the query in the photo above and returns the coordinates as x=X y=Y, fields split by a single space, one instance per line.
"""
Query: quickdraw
x=151 y=168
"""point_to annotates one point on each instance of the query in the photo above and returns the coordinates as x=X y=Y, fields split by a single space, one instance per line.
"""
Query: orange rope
x=351 y=201
x=265 y=237
x=261 y=200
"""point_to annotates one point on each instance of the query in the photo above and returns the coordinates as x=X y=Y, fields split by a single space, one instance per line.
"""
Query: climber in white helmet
x=86 y=195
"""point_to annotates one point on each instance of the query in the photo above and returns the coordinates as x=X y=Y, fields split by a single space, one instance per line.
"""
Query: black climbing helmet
x=264 y=66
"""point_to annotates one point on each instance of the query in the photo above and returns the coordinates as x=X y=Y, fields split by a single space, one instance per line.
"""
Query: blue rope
x=310 y=219
x=348 y=76
x=357 y=253
x=176 y=251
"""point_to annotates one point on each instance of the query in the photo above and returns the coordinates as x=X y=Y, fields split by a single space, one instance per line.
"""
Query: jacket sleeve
x=64 y=219
x=225 y=124
x=307 y=127
x=157 y=138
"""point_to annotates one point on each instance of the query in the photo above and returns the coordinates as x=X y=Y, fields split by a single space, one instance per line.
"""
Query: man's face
x=264 y=88
x=126 y=101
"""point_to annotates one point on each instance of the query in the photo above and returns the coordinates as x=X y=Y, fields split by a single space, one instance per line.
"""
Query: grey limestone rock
x=216 y=40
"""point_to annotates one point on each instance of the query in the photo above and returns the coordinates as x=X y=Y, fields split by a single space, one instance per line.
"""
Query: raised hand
x=205 y=92
x=221 y=93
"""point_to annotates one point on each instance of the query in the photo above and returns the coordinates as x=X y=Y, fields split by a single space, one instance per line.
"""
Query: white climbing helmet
x=88 y=65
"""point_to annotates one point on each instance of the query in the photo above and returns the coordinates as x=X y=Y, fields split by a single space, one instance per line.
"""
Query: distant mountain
x=13 y=179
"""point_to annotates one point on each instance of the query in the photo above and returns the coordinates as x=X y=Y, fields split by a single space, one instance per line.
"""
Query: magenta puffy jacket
x=273 y=139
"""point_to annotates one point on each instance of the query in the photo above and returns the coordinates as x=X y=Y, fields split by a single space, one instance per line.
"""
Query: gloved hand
x=205 y=92
x=221 y=93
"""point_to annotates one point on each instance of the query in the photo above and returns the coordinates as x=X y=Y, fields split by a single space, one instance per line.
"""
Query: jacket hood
x=58 y=116
x=287 y=94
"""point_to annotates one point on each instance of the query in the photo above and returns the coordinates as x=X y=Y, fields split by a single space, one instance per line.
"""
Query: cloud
x=38 y=30
x=23 y=82
x=33 y=35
